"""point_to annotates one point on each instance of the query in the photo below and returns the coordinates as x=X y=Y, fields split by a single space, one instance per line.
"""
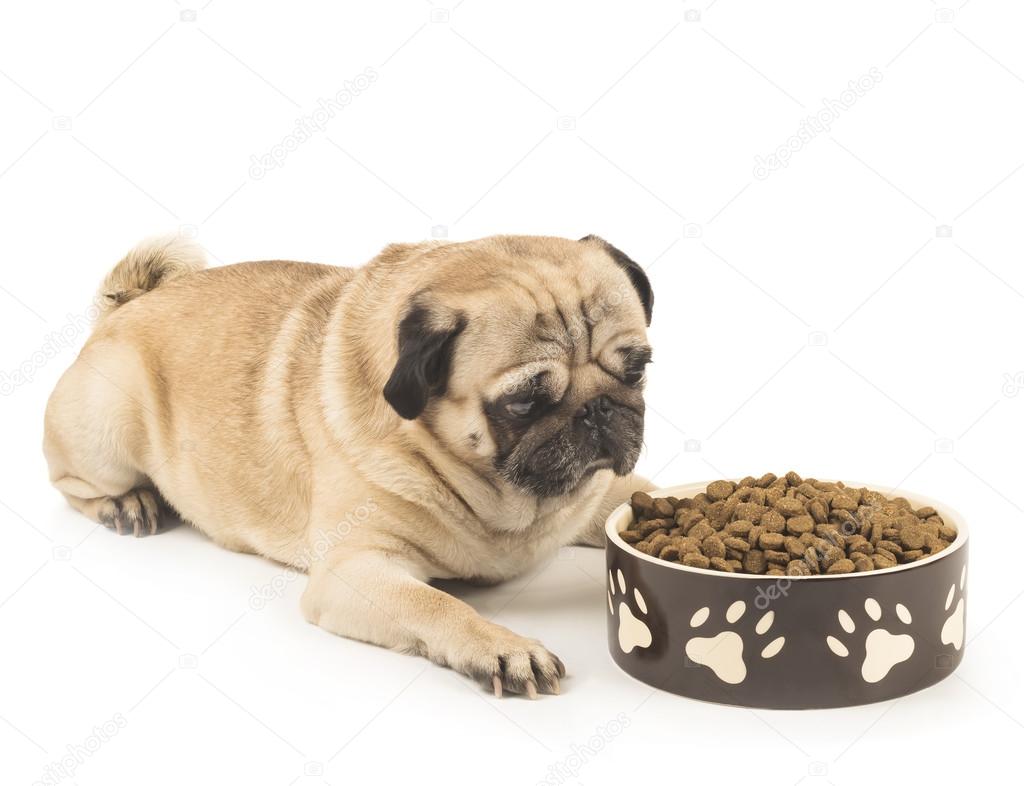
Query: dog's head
x=525 y=357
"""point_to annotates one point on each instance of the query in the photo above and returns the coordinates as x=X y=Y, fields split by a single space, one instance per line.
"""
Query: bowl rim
x=618 y=516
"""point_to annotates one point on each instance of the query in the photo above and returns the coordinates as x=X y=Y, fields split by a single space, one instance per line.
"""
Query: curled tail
x=151 y=263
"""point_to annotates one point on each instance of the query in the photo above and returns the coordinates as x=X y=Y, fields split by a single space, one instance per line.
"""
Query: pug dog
x=451 y=410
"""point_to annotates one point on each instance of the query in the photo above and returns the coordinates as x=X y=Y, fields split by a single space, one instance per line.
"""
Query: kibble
x=798 y=525
x=841 y=566
x=786 y=526
x=720 y=489
x=717 y=563
x=754 y=561
x=696 y=560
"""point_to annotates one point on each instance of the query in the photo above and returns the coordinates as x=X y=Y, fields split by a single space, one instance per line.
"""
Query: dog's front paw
x=504 y=661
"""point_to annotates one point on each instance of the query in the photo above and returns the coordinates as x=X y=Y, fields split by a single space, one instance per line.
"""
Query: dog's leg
x=84 y=446
x=377 y=597
x=117 y=499
x=619 y=491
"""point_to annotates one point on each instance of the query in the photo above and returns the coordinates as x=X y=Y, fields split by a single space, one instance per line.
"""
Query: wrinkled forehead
x=553 y=333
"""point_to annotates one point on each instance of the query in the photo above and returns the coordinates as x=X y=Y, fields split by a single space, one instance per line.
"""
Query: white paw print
x=633 y=631
x=953 y=629
x=883 y=649
x=723 y=654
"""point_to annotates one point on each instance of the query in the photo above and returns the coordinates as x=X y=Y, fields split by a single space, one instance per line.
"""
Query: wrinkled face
x=538 y=367
x=575 y=408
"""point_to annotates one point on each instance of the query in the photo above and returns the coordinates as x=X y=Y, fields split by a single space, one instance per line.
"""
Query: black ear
x=636 y=274
x=424 y=357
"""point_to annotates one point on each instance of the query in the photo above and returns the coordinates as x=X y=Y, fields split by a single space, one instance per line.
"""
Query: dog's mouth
x=605 y=462
x=561 y=463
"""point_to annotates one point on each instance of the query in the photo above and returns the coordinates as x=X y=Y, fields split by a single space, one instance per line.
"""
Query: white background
x=856 y=314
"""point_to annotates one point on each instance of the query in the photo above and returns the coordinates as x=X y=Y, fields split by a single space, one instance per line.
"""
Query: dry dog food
x=785 y=526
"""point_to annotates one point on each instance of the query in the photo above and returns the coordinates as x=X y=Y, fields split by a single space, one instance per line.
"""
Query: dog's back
x=184 y=366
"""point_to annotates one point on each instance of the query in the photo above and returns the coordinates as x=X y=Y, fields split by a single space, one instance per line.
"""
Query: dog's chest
x=521 y=538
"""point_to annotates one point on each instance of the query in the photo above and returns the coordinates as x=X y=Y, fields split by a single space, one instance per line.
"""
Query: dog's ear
x=636 y=274
x=425 y=343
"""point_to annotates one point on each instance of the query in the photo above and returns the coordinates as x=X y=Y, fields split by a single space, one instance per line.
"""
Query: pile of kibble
x=785 y=526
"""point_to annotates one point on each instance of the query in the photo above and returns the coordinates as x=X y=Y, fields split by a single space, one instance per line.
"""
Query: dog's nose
x=595 y=412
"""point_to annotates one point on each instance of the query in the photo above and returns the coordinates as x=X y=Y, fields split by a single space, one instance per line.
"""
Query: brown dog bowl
x=797 y=642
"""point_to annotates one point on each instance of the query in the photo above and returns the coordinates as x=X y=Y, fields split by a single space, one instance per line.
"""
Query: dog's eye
x=635 y=362
x=519 y=409
x=635 y=373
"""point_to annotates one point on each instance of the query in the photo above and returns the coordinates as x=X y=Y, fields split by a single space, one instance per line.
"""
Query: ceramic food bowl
x=796 y=642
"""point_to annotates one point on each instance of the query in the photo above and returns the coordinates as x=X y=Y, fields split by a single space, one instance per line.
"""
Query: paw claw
x=506 y=664
x=559 y=666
